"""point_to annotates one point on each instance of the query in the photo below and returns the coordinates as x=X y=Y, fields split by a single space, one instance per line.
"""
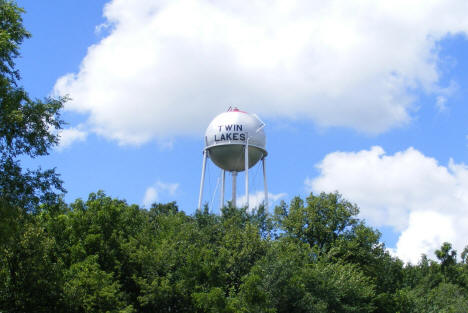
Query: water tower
x=234 y=141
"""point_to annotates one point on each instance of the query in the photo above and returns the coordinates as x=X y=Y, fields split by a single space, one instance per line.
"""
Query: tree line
x=313 y=255
x=105 y=255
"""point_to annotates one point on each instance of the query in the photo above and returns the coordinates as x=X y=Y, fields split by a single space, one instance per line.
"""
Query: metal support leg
x=202 y=182
x=247 y=172
x=234 y=188
x=223 y=182
x=265 y=185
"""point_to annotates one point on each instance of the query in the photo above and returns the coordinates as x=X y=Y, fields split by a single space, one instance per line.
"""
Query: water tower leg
x=223 y=181
x=202 y=182
x=265 y=184
x=247 y=172
x=234 y=188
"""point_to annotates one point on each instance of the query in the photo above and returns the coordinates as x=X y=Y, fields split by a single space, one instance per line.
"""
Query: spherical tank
x=226 y=137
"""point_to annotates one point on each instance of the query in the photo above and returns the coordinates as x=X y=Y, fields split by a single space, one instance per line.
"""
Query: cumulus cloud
x=152 y=193
x=257 y=198
x=167 y=67
x=425 y=201
x=427 y=231
x=70 y=135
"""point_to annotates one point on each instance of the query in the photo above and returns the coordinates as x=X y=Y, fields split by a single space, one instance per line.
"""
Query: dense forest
x=104 y=255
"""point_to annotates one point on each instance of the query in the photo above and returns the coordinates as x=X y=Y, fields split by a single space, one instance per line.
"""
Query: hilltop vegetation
x=103 y=255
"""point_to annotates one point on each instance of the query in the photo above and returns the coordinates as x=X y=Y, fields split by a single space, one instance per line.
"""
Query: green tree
x=444 y=298
x=28 y=128
x=290 y=279
x=103 y=255
x=89 y=289
x=328 y=224
x=464 y=255
x=30 y=268
x=448 y=259
x=320 y=221
x=31 y=272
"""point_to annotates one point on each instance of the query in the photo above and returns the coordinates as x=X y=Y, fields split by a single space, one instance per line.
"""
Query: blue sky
x=364 y=98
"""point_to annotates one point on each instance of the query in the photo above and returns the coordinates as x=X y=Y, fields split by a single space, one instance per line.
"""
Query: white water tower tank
x=226 y=137
x=231 y=139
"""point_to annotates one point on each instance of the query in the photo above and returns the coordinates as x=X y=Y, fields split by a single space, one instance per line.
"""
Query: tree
x=446 y=255
x=290 y=279
x=90 y=289
x=28 y=128
x=464 y=255
x=104 y=255
x=448 y=260
x=321 y=222
x=30 y=272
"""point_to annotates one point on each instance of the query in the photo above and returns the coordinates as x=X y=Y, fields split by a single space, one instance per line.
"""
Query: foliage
x=103 y=255
x=324 y=219
x=28 y=128
x=30 y=272
x=90 y=289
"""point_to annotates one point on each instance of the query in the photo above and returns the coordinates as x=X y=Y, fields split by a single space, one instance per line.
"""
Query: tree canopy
x=104 y=255
x=28 y=128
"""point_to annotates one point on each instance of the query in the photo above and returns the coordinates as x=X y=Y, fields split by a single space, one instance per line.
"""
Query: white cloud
x=425 y=201
x=427 y=231
x=69 y=136
x=167 y=67
x=152 y=193
x=166 y=144
x=441 y=103
x=258 y=197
